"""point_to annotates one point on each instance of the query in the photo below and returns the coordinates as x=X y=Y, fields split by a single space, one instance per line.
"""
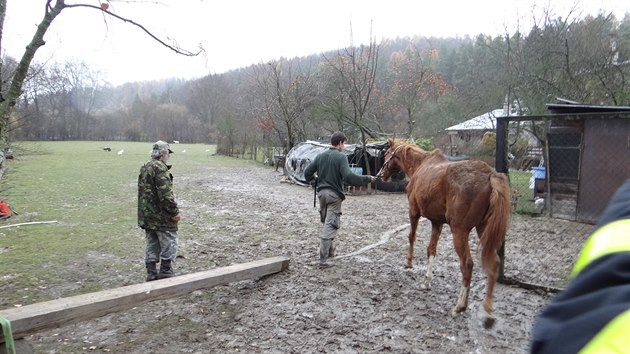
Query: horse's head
x=391 y=166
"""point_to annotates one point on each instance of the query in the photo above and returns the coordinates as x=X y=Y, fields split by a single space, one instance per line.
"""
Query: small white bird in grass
x=121 y=152
x=539 y=202
x=184 y=150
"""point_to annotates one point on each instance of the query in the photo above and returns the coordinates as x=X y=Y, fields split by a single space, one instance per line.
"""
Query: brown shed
x=588 y=158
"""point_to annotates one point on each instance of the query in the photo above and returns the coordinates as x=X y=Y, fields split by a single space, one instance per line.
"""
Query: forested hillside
x=403 y=87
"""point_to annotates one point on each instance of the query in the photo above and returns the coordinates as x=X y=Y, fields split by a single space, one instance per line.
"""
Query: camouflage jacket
x=156 y=201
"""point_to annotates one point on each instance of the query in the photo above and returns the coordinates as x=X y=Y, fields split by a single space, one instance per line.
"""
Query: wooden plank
x=29 y=319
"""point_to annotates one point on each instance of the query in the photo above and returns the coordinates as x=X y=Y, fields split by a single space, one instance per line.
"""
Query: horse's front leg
x=436 y=231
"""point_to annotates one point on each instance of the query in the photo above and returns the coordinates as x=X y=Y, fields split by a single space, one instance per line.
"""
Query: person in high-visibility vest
x=592 y=315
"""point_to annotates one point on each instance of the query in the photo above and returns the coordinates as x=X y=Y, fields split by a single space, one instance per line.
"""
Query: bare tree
x=574 y=58
x=414 y=81
x=355 y=69
x=171 y=120
x=207 y=99
x=286 y=91
x=84 y=85
x=52 y=9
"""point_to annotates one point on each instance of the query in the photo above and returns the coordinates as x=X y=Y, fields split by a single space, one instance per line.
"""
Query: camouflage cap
x=162 y=146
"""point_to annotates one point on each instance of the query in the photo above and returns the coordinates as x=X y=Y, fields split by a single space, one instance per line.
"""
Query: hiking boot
x=325 y=264
x=166 y=271
x=152 y=273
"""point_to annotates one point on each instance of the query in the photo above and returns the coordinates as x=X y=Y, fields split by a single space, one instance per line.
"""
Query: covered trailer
x=303 y=153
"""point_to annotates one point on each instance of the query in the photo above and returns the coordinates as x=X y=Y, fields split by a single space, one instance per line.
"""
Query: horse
x=464 y=194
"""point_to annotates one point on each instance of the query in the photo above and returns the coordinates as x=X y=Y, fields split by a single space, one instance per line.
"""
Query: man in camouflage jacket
x=158 y=213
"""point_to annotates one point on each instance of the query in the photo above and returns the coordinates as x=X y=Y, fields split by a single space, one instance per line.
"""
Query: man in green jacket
x=592 y=314
x=332 y=171
x=158 y=213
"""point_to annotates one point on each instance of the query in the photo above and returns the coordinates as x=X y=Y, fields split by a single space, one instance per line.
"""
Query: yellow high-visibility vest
x=611 y=238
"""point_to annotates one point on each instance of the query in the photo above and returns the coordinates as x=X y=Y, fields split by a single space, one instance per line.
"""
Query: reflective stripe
x=610 y=238
x=613 y=338
x=7 y=334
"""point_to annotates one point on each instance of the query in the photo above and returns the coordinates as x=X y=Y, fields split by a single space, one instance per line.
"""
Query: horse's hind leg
x=413 y=221
x=436 y=231
x=488 y=319
x=491 y=267
x=460 y=241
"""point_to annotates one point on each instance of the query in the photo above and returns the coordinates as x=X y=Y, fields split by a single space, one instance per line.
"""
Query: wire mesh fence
x=563 y=169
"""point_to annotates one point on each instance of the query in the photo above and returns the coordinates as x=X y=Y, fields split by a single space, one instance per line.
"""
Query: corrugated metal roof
x=584 y=108
x=486 y=121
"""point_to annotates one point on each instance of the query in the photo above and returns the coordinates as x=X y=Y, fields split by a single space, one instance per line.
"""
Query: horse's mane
x=417 y=152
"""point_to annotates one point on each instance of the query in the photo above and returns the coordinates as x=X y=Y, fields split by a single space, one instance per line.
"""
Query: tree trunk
x=15 y=88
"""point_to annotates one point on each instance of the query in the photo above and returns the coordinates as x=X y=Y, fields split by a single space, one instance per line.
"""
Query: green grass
x=92 y=194
x=519 y=180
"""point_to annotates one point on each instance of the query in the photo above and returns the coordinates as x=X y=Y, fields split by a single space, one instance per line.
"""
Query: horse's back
x=473 y=174
x=462 y=175
x=452 y=191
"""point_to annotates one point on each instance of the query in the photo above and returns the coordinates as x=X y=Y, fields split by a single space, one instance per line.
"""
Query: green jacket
x=156 y=201
x=333 y=171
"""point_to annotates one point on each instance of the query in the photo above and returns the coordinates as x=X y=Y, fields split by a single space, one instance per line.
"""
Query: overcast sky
x=238 y=33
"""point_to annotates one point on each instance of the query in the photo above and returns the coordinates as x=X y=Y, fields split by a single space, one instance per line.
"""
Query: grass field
x=519 y=180
x=91 y=193
x=92 y=196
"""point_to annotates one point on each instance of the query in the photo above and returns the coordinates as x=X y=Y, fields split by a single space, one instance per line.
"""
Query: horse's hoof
x=488 y=321
x=408 y=265
x=457 y=310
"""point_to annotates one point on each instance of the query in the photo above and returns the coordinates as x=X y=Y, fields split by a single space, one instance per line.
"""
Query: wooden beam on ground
x=529 y=286
x=51 y=314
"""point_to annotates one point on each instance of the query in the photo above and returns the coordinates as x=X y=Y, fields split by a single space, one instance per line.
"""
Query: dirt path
x=366 y=303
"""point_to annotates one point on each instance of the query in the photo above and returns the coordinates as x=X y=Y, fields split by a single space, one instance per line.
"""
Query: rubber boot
x=324 y=253
x=166 y=271
x=152 y=273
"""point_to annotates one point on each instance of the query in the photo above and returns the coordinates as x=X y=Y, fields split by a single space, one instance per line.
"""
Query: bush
x=488 y=144
x=425 y=144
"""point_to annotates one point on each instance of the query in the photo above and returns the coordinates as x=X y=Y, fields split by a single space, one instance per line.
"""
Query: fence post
x=501 y=165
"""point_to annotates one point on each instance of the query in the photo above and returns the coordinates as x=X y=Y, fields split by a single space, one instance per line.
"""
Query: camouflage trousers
x=160 y=245
x=330 y=213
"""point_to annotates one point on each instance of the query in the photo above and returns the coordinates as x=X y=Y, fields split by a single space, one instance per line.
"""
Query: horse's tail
x=497 y=220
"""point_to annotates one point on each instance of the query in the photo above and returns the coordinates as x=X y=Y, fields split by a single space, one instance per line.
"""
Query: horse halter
x=380 y=172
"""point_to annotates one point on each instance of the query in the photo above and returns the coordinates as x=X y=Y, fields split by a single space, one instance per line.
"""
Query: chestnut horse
x=463 y=194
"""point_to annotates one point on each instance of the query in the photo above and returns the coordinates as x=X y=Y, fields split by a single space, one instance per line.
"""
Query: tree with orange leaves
x=414 y=81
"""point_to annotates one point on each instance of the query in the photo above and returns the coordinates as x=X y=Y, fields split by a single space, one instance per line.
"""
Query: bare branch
x=171 y=47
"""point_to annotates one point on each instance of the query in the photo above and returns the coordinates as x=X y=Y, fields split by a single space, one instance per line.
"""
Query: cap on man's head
x=162 y=146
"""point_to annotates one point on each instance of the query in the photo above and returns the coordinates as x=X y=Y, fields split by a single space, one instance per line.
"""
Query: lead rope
x=7 y=333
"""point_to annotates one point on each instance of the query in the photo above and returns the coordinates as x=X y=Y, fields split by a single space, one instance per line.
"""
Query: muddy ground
x=366 y=303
